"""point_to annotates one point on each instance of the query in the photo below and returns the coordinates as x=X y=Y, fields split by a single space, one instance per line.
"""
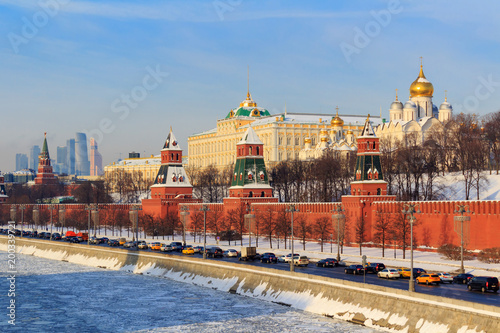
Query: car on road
x=176 y=246
x=155 y=246
x=389 y=273
x=113 y=242
x=428 y=279
x=328 y=262
x=301 y=261
x=404 y=272
x=268 y=258
x=198 y=249
x=287 y=257
x=215 y=252
x=166 y=248
x=418 y=271
x=374 y=267
x=445 y=277
x=56 y=236
x=462 y=278
x=122 y=241
x=94 y=240
x=142 y=245
x=483 y=283
x=128 y=245
x=230 y=253
x=188 y=250
x=354 y=269
x=74 y=239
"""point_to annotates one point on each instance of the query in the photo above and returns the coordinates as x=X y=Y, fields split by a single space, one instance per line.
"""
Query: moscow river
x=56 y=296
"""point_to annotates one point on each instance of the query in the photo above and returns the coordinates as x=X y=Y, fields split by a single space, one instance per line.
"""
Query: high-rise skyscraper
x=95 y=159
x=82 y=163
x=70 y=156
x=62 y=154
x=34 y=153
x=21 y=162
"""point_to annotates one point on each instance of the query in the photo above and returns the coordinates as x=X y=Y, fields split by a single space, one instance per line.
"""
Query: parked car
x=188 y=250
x=404 y=272
x=122 y=241
x=374 y=267
x=214 y=252
x=354 y=269
x=301 y=261
x=483 y=283
x=428 y=279
x=445 y=277
x=94 y=240
x=142 y=245
x=462 y=278
x=155 y=246
x=418 y=271
x=166 y=248
x=176 y=246
x=268 y=258
x=56 y=236
x=287 y=258
x=389 y=273
x=113 y=242
x=230 y=253
x=104 y=240
x=198 y=249
x=73 y=239
x=328 y=262
x=129 y=244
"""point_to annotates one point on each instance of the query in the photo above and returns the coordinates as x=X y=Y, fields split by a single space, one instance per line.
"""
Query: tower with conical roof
x=368 y=176
x=249 y=178
x=45 y=174
x=3 y=193
x=171 y=181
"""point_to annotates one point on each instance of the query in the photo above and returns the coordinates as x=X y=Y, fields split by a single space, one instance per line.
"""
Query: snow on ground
x=56 y=296
x=453 y=184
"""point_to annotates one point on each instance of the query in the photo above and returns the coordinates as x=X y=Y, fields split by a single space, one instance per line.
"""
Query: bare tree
x=382 y=227
x=322 y=229
x=303 y=229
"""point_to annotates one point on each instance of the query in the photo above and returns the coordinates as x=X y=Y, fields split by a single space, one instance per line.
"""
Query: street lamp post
x=36 y=217
x=204 y=209
x=51 y=208
x=134 y=214
x=13 y=214
x=184 y=214
x=22 y=207
x=291 y=209
x=62 y=217
x=89 y=208
x=461 y=209
x=249 y=216
x=411 y=209
x=339 y=213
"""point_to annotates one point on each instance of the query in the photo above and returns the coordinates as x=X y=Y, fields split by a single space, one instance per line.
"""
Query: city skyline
x=186 y=64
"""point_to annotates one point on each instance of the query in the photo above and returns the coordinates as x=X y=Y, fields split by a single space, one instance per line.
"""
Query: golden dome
x=324 y=139
x=337 y=121
x=349 y=132
x=421 y=86
x=248 y=102
x=323 y=132
x=307 y=140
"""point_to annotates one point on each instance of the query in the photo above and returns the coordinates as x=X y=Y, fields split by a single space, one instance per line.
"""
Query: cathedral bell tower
x=249 y=178
x=368 y=177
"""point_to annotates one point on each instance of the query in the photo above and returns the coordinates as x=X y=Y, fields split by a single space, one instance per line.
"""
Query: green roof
x=248 y=111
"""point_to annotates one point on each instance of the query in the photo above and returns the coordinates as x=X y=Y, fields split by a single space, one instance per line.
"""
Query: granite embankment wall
x=374 y=306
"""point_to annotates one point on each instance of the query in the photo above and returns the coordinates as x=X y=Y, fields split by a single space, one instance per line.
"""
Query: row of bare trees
x=210 y=184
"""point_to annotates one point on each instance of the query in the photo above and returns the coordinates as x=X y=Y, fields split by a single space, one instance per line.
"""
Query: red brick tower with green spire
x=45 y=174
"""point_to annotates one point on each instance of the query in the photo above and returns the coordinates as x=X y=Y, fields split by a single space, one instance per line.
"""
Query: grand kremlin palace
x=284 y=135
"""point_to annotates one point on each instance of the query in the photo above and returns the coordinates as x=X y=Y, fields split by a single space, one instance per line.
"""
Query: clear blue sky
x=66 y=69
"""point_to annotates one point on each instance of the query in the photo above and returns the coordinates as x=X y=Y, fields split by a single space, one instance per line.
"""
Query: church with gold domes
x=418 y=116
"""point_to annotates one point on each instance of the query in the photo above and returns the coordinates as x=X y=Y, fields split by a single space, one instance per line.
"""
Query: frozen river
x=55 y=296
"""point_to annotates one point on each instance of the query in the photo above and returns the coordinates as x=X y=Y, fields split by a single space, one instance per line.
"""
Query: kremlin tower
x=171 y=181
x=250 y=176
x=3 y=193
x=45 y=175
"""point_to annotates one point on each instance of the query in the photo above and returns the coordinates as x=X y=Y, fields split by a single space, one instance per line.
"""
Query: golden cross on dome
x=446 y=95
x=396 y=94
x=337 y=109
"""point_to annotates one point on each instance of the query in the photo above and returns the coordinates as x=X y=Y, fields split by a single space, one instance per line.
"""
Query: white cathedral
x=418 y=115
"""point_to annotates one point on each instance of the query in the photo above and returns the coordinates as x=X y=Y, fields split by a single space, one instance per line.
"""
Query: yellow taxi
x=404 y=272
x=429 y=279
x=188 y=250
x=155 y=246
